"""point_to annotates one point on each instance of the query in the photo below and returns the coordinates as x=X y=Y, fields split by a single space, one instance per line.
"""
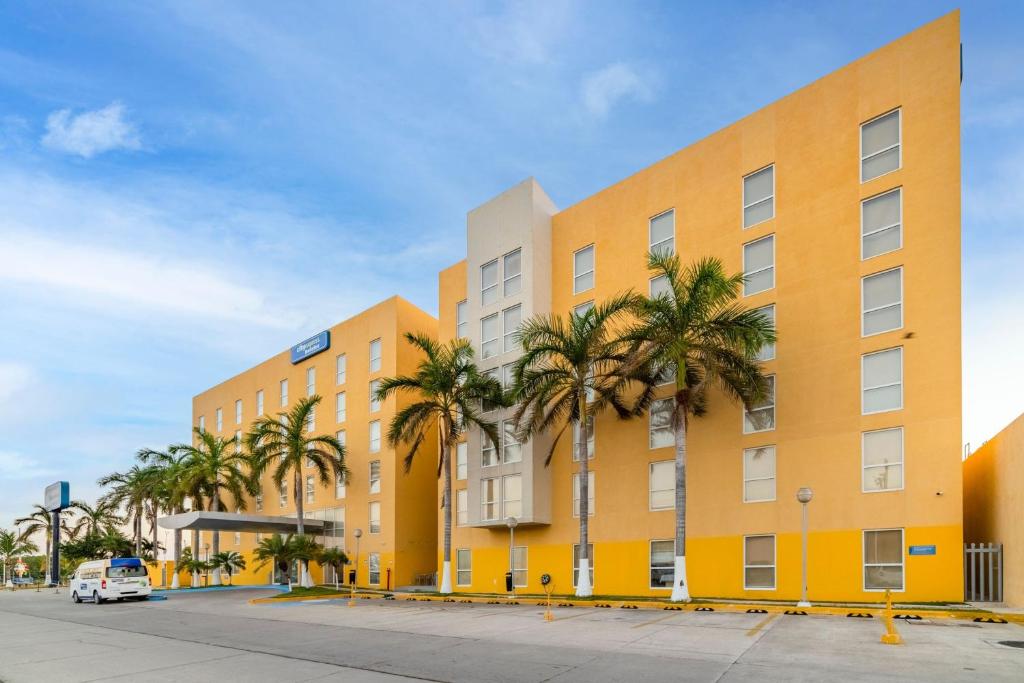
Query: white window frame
x=506 y=279
x=485 y=288
x=774 y=565
x=650 y=286
x=259 y=403
x=340 y=407
x=376 y=354
x=747 y=273
x=340 y=369
x=371 y=560
x=505 y=514
x=651 y=507
x=374 y=505
x=374 y=403
x=864 y=311
x=508 y=337
x=591 y=439
x=461 y=461
x=524 y=569
x=902 y=463
x=462 y=319
x=238 y=411
x=310 y=489
x=651 y=245
x=592 y=271
x=514 y=442
x=374 y=481
x=650 y=562
x=650 y=422
x=897 y=224
x=496 y=340
x=746 y=205
x=283 y=385
x=202 y=423
x=495 y=500
x=591 y=494
x=282 y=494
x=258 y=498
x=864 y=388
x=762 y=356
x=899 y=143
x=310 y=381
x=311 y=419
x=339 y=487
x=238 y=441
x=461 y=507
x=219 y=418
x=487 y=447
x=375 y=447
x=864 y=564
x=748 y=423
x=774 y=478
x=579 y=310
x=459 y=571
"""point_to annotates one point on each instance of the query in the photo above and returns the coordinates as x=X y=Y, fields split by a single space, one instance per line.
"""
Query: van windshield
x=120 y=572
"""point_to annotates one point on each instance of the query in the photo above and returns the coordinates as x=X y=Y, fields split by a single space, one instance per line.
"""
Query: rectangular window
x=202 y=423
x=284 y=392
x=489 y=282
x=238 y=411
x=508 y=378
x=759 y=474
x=375 y=476
x=583 y=270
x=461 y=507
x=661 y=232
x=662 y=564
x=463 y=567
x=880 y=146
x=259 y=403
x=577 y=442
x=340 y=407
x=373 y=564
x=488 y=453
x=759 y=265
x=340 y=368
x=761 y=416
x=576 y=562
x=339 y=486
x=374 y=403
x=581 y=310
x=881 y=224
x=238 y=441
x=311 y=419
x=512 y=496
x=220 y=419
x=462 y=320
x=882 y=302
x=461 y=460
x=660 y=432
x=883 y=559
x=375 y=436
x=759 y=562
x=375 y=355
x=662 y=485
x=488 y=406
x=513 y=274
x=375 y=517
x=259 y=502
x=489 y=336
x=238 y=538
x=768 y=350
x=310 y=381
x=310 y=489
x=488 y=499
x=511 y=319
x=282 y=494
x=511 y=449
x=576 y=494
x=882 y=458
x=519 y=573
x=759 y=196
x=659 y=287
x=882 y=381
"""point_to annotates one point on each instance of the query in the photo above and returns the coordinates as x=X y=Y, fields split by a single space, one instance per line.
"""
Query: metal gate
x=983 y=572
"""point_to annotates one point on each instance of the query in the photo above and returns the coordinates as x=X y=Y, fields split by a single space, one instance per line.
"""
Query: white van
x=121 y=578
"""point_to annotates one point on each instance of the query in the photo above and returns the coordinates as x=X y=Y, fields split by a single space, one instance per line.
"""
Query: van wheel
x=75 y=598
x=96 y=598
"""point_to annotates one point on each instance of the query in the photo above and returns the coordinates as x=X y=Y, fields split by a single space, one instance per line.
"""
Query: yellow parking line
x=654 y=621
x=761 y=624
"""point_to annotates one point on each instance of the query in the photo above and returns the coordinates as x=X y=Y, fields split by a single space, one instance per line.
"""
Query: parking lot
x=220 y=636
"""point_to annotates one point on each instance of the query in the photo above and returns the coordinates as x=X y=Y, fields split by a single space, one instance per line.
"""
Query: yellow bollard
x=548 y=616
x=890 y=637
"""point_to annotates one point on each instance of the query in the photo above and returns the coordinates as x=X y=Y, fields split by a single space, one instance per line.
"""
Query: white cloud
x=19 y=466
x=603 y=89
x=91 y=132
x=524 y=32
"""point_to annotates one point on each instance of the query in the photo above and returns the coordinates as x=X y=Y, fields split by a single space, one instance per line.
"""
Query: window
x=508 y=376
x=284 y=392
x=576 y=562
x=662 y=485
x=662 y=564
x=661 y=233
x=311 y=419
x=202 y=423
x=340 y=407
x=489 y=499
x=581 y=310
x=489 y=336
x=760 y=417
x=373 y=564
x=759 y=474
x=375 y=517
x=489 y=282
x=511 y=449
x=513 y=272
x=583 y=270
x=220 y=419
x=883 y=559
x=375 y=436
x=310 y=489
x=577 y=442
x=238 y=538
x=759 y=196
x=375 y=355
x=310 y=381
x=767 y=351
x=759 y=562
x=882 y=458
x=462 y=320
x=339 y=486
x=880 y=146
x=511 y=319
x=461 y=507
x=259 y=502
x=519 y=574
x=485 y=405
x=340 y=368
x=881 y=224
x=488 y=453
x=259 y=403
x=461 y=460
x=375 y=476
x=512 y=496
x=660 y=287
x=576 y=494
x=882 y=302
x=759 y=265
x=660 y=432
x=238 y=441
x=463 y=567
x=282 y=494
x=882 y=381
x=238 y=411
x=374 y=402
x=341 y=436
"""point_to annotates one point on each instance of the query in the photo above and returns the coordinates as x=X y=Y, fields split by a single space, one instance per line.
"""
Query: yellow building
x=841 y=203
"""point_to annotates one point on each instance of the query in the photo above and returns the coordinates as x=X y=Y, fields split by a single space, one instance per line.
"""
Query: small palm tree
x=132 y=490
x=282 y=444
x=449 y=389
x=698 y=335
x=228 y=561
x=41 y=521
x=304 y=549
x=13 y=545
x=275 y=550
x=95 y=519
x=191 y=564
x=570 y=371
x=336 y=559
x=174 y=489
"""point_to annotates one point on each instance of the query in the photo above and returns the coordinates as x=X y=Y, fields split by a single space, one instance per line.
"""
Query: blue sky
x=187 y=188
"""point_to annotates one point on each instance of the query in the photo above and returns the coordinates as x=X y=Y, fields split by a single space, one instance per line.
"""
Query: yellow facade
x=812 y=137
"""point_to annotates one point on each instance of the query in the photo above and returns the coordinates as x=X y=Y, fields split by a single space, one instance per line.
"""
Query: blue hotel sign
x=311 y=347
x=922 y=550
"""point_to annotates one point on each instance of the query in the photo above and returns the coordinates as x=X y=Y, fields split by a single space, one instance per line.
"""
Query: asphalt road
x=218 y=636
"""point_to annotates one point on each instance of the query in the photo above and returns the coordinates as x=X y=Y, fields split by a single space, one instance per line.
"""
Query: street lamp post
x=512 y=522
x=804 y=496
x=206 y=561
x=358 y=533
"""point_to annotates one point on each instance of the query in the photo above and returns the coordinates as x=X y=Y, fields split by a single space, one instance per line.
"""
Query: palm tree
x=131 y=490
x=335 y=558
x=697 y=335
x=277 y=551
x=213 y=467
x=304 y=549
x=95 y=519
x=41 y=521
x=569 y=372
x=449 y=389
x=192 y=564
x=173 y=491
x=228 y=561
x=13 y=545
x=282 y=444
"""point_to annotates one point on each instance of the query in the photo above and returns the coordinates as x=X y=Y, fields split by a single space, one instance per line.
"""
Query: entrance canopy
x=230 y=521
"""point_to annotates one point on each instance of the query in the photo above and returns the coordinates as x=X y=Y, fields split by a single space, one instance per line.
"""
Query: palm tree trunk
x=175 y=582
x=305 y=580
x=138 y=531
x=680 y=589
x=583 y=587
x=156 y=512
x=48 y=564
x=195 y=557
x=446 y=512
x=215 y=507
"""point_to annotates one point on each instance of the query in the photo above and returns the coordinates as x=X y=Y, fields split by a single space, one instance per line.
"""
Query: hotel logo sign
x=311 y=347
